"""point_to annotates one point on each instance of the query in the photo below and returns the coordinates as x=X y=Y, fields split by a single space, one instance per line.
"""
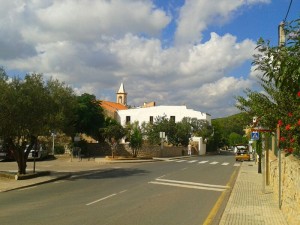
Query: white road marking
x=192 y=185
x=225 y=164
x=202 y=162
x=101 y=199
x=122 y=191
x=237 y=164
x=214 y=163
x=192 y=161
x=183 y=160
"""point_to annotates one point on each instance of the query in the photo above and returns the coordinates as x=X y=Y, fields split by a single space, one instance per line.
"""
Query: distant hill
x=235 y=123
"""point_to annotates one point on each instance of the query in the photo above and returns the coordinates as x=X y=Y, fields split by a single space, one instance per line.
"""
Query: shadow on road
x=110 y=173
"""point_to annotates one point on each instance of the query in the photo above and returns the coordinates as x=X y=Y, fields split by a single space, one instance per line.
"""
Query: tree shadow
x=109 y=173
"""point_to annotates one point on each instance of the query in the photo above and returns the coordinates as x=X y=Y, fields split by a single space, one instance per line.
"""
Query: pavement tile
x=248 y=203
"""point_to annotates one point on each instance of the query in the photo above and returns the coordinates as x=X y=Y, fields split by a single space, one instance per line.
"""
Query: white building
x=176 y=113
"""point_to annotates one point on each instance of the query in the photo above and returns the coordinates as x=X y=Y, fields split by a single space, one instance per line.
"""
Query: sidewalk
x=248 y=205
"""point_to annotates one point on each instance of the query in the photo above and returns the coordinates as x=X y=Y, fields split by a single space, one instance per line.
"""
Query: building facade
x=148 y=114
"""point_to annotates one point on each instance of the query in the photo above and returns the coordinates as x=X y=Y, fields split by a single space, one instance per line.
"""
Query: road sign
x=254 y=135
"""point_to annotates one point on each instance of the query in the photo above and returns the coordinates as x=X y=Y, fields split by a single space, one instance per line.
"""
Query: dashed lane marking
x=202 y=162
x=214 y=163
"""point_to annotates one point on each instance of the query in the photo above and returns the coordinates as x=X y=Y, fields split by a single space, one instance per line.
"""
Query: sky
x=196 y=53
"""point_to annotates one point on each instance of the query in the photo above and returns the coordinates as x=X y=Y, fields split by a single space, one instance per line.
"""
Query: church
x=148 y=112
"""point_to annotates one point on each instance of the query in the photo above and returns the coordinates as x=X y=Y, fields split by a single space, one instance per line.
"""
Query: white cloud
x=196 y=15
x=95 y=45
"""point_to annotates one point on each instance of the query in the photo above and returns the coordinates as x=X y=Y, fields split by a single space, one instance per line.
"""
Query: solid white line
x=188 y=186
x=122 y=191
x=101 y=199
x=202 y=162
x=192 y=183
x=225 y=164
x=213 y=163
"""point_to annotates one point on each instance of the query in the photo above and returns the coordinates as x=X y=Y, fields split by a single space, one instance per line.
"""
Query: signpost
x=255 y=135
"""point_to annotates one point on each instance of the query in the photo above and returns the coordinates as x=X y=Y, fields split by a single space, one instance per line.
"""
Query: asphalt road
x=178 y=192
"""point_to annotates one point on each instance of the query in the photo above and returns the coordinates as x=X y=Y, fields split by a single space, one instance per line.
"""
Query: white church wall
x=143 y=114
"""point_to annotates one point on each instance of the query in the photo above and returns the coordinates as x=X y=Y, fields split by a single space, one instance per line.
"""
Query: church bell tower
x=122 y=95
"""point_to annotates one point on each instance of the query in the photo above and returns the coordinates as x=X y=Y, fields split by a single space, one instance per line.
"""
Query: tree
x=280 y=104
x=112 y=133
x=90 y=117
x=27 y=110
x=136 y=139
x=235 y=138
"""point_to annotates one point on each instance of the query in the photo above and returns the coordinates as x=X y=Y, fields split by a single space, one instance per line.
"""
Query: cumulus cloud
x=196 y=15
x=96 y=45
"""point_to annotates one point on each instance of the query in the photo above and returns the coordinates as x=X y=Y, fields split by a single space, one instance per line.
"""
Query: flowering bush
x=290 y=130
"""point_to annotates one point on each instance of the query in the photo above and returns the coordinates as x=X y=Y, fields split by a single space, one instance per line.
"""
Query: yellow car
x=242 y=155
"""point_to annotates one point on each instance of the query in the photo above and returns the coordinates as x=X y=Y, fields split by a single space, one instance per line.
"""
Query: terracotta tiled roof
x=112 y=106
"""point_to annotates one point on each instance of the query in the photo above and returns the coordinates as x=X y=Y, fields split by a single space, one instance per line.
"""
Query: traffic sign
x=255 y=135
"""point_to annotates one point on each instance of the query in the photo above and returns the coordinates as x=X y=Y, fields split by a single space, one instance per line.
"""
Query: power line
x=287 y=13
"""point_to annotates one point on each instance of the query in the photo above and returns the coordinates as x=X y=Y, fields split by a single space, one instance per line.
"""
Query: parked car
x=242 y=155
x=5 y=155
x=38 y=153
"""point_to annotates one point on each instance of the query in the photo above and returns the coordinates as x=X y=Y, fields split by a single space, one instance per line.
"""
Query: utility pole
x=281 y=43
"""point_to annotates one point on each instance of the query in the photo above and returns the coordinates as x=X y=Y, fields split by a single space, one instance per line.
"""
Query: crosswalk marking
x=192 y=161
x=205 y=161
x=186 y=184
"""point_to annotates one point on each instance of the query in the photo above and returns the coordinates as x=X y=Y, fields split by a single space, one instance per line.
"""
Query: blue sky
x=174 y=52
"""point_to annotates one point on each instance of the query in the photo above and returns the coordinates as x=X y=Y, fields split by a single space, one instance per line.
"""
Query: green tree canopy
x=27 y=110
x=90 y=117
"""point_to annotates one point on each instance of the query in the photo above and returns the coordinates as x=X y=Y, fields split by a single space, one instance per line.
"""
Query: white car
x=39 y=153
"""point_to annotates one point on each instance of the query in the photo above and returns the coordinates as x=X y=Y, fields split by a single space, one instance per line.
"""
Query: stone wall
x=147 y=151
x=290 y=170
x=156 y=151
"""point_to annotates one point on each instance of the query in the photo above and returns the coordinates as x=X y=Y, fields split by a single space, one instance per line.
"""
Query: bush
x=59 y=150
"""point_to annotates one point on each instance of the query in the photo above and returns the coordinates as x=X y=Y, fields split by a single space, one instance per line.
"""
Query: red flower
x=290 y=114
x=280 y=123
x=288 y=127
x=298 y=94
x=298 y=122
x=282 y=139
x=292 y=140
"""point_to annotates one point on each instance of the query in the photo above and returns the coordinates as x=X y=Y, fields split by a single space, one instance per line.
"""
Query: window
x=151 y=120
x=127 y=119
x=172 y=118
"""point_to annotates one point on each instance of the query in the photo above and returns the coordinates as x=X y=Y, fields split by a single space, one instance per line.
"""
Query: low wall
x=290 y=173
x=156 y=151
x=103 y=149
